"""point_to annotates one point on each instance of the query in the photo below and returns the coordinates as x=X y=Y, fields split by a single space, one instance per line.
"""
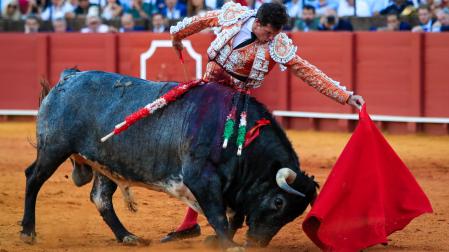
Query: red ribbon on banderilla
x=161 y=102
x=181 y=58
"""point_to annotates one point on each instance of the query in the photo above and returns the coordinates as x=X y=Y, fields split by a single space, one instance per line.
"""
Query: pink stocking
x=189 y=221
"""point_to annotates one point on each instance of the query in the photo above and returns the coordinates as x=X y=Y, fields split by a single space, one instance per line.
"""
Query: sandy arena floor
x=67 y=221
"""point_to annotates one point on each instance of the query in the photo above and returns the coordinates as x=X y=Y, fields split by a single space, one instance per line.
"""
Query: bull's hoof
x=28 y=238
x=236 y=249
x=184 y=234
x=211 y=241
x=132 y=240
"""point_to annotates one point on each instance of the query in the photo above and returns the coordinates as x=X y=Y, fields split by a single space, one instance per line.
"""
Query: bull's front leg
x=206 y=187
x=235 y=222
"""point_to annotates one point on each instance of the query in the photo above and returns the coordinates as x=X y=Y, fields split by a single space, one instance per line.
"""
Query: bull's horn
x=284 y=177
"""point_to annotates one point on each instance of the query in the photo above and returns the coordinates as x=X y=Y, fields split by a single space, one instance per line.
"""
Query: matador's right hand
x=356 y=101
x=177 y=45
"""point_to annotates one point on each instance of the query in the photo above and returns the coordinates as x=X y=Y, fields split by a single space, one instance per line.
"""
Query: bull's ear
x=304 y=183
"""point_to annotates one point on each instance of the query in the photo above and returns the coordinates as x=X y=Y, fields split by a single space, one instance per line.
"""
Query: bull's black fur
x=183 y=138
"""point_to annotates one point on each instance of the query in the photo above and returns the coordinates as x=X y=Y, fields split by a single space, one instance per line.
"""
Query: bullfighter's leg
x=36 y=175
x=189 y=228
x=190 y=220
x=206 y=187
x=101 y=195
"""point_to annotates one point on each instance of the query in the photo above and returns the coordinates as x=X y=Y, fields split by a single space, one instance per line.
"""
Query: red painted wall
x=436 y=75
x=388 y=72
x=87 y=51
x=332 y=53
x=397 y=73
x=23 y=61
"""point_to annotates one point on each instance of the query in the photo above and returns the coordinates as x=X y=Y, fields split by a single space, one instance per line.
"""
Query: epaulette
x=282 y=49
x=232 y=12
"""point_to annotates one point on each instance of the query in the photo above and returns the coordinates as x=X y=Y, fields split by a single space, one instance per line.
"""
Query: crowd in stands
x=306 y=15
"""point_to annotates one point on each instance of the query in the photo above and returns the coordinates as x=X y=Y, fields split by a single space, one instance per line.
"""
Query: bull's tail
x=45 y=84
x=45 y=90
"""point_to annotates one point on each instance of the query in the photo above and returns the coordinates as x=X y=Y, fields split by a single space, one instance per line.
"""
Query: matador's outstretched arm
x=192 y=25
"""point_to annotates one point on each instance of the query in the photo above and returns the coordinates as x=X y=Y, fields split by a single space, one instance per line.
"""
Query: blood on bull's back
x=84 y=106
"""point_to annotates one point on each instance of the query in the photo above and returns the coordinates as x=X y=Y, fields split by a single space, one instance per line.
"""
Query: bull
x=177 y=150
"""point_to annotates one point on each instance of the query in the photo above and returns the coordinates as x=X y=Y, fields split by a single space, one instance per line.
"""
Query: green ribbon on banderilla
x=231 y=121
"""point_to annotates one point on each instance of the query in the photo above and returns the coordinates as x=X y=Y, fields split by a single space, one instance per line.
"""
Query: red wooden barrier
x=23 y=62
x=389 y=74
x=87 y=51
x=164 y=64
x=398 y=73
x=274 y=90
x=436 y=89
x=333 y=54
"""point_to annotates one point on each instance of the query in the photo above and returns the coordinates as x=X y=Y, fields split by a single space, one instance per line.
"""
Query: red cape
x=369 y=194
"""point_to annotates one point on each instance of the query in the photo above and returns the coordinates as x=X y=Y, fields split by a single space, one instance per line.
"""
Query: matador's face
x=264 y=33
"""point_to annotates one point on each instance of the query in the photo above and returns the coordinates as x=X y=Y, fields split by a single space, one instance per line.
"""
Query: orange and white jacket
x=254 y=61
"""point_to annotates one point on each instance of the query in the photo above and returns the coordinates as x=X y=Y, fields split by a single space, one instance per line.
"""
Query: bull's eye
x=278 y=203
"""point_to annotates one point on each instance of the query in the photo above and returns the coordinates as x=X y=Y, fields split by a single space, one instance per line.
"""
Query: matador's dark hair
x=274 y=14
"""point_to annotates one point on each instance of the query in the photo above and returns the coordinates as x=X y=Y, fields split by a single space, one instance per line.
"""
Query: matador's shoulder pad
x=233 y=12
x=282 y=49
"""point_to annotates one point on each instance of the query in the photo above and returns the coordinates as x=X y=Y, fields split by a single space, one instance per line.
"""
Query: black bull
x=178 y=149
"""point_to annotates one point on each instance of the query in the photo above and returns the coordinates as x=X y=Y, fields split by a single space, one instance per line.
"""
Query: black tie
x=247 y=42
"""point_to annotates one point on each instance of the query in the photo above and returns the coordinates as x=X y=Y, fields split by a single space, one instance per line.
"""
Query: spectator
x=308 y=21
x=331 y=22
x=94 y=23
x=31 y=24
x=57 y=9
x=196 y=7
x=98 y=3
x=443 y=20
x=250 y=4
x=398 y=6
x=157 y=4
x=33 y=7
x=73 y=3
x=174 y=10
x=425 y=20
x=394 y=23
x=417 y=3
x=346 y=8
x=11 y=11
x=59 y=25
x=321 y=6
x=82 y=9
x=377 y=5
x=128 y=24
x=142 y=10
x=440 y=4
x=111 y=10
x=294 y=8
x=215 y=4
x=158 y=23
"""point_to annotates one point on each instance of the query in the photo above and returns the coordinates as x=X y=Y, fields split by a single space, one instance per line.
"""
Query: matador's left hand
x=356 y=101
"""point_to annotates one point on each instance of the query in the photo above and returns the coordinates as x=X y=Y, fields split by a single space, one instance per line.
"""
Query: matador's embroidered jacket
x=247 y=66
